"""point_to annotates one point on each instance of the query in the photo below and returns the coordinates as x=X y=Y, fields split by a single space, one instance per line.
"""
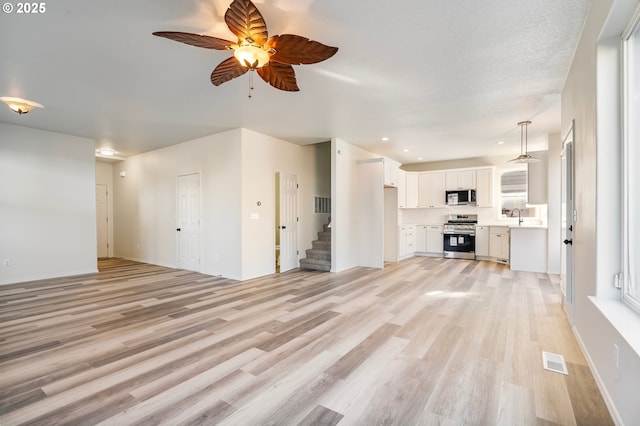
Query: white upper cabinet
x=537 y=179
x=412 y=190
x=461 y=179
x=484 y=190
x=391 y=168
x=431 y=190
x=402 y=189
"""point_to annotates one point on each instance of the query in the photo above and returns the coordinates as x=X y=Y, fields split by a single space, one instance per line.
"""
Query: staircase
x=319 y=256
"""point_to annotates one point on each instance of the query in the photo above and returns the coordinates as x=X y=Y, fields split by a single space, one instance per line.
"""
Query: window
x=631 y=161
x=513 y=195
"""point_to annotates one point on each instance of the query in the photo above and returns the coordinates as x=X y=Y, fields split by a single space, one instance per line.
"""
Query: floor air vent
x=554 y=362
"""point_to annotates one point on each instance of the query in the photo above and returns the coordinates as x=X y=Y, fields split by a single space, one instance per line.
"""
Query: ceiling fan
x=272 y=57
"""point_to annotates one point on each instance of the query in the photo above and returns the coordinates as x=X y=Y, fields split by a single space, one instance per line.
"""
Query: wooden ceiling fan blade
x=197 y=40
x=227 y=70
x=280 y=76
x=244 y=20
x=295 y=50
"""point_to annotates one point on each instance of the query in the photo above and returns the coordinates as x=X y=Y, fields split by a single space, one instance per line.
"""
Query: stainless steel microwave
x=461 y=197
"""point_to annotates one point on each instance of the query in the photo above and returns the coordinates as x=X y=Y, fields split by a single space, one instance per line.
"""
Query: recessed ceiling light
x=385 y=139
x=501 y=143
x=420 y=158
x=405 y=150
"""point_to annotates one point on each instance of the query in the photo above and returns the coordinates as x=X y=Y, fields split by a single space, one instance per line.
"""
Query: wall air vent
x=322 y=205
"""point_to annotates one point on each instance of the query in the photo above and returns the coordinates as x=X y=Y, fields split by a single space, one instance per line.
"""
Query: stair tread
x=317 y=261
x=319 y=255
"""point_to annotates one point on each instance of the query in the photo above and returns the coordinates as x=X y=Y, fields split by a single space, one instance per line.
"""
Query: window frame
x=630 y=295
x=534 y=218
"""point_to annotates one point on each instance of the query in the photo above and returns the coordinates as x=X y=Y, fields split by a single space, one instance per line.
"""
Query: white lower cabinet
x=406 y=241
x=421 y=238
x=435 y=242
x=499 y=243
x=528 y=249
x=482 y=241
x=429 y=239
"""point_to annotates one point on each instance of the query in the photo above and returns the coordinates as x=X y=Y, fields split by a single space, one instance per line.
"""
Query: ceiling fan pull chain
x=250 y=82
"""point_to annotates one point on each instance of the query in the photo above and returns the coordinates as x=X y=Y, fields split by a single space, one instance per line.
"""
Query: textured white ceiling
x=442 y=79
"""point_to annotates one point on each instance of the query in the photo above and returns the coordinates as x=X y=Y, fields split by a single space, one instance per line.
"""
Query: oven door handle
x=469 y=234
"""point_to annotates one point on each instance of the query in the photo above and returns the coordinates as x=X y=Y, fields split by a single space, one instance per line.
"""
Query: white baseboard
x=603 y=390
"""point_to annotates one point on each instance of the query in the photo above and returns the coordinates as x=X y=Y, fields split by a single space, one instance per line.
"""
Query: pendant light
x=524 y=156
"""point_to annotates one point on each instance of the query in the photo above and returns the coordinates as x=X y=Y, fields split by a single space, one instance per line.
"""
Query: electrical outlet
x=616 y=356
x=7 y=263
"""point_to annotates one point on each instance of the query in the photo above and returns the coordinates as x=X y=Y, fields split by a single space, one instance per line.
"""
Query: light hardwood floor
x=426 y=341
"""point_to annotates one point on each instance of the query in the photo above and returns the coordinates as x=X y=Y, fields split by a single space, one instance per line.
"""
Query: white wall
x=594 y=265
x=238 y=170
x=323 y=178
x=145 y=215
x=554 y=205
x=262 y=158
x=391 y=224
x=104 y=176
x=345 y=208
x=371 y=202
x=47 y=204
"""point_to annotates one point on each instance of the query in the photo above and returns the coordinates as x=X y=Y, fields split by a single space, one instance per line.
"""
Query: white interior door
x=102 y=220
x=567 y=223
x=288 y=221
x=188 y=229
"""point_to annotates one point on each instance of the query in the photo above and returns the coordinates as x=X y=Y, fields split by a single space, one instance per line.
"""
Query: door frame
x=567 y=222
x=108 y=215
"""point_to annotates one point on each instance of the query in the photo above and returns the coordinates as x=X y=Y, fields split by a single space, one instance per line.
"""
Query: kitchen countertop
x=511 y=225
x=504 y=225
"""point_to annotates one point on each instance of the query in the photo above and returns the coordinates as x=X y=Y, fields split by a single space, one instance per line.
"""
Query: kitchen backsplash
x=437 y=216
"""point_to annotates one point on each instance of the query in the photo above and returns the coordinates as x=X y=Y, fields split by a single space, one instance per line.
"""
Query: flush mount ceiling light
x=109 y=152
x=524 y=156
x=272 y=57
x=19 y=105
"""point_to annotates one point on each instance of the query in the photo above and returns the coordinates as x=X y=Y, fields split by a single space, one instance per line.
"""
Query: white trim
x=615 y=416
x=632 y=28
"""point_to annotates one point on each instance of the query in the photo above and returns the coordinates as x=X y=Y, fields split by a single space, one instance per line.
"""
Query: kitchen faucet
x=520 y=219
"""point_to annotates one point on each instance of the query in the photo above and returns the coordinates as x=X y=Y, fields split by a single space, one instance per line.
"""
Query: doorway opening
x=102 y=221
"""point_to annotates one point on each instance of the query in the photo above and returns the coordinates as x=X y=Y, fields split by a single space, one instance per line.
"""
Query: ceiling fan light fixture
x=19 y=105
x=251 y=56
x=271 y=57
x=524 y=156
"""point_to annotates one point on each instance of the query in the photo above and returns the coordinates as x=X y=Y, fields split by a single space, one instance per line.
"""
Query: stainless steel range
x=460 y=236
